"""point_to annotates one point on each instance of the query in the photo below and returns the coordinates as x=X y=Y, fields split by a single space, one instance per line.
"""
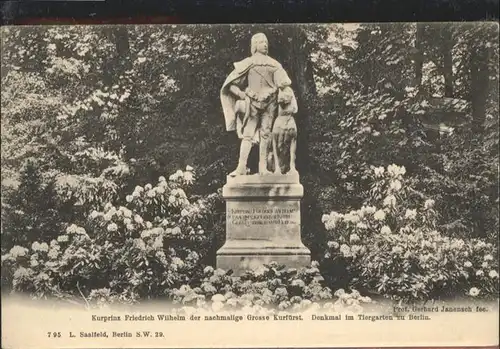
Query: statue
x=249 y=98
x=285 y=132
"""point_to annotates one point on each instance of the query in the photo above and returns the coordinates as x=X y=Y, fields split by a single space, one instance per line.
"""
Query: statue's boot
x=246 y=146
x=263 y=150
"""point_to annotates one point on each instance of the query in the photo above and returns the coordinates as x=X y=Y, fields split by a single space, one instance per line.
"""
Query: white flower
x=218 y=298
x=493 y=274
x=43 y=247
x=130 y=227
x=158 y=243
x=333 y=244
x=208 y=270
x=171 y=199
x=53 y=254
x=354 y=238
x=188 y=177
x=127 y=221
x=71 y=229
x=368 y=209
x=217 y=306
x=34 y=246
x=160 y=190
x=136 y=194
x=94 y=214
x=139 y=189
x=395 y=170
x=43 y=276
x=138 y=219
x=145 y=234
x=112 y=227
x=467 y=264
x=390 y=201
x=351 y=217
x=397 y=249
x=429 y=203
x=488 y=257
x=474 y=292
x=108 y=206
x=324 y=218
x=129 y=198
x=161 y=179
x=189 y=168
x=479 y=273
x=108 y=216
x=395 y=185
x=63 y=238
x=340 y=292
x=411 y=214
x=178 y=262
x=151 y=193
x=385 y=230
x=484 y=265
x=365 y=299
x=127 y=213
x=361 y=225
x=345 y=250
x=18 y=251
x=148 y=186
x=379 y=171
x=149 y=225
x=379 y=215
x=299 y=283
x=139 y=243
x=184 y=212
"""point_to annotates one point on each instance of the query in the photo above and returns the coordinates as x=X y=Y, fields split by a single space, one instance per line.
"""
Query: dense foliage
x=90 y=112
x=142 y=249
x=390 y=246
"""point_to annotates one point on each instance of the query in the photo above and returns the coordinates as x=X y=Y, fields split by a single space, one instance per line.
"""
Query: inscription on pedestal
x=266 y=220
x=262 y=216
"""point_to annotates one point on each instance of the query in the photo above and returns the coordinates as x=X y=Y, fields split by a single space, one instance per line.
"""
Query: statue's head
x=259 y=43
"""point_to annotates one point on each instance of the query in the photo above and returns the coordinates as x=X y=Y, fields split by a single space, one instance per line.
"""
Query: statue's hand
x=235 y=90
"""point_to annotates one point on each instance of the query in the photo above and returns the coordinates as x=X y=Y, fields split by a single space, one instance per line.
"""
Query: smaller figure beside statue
x=259 y=104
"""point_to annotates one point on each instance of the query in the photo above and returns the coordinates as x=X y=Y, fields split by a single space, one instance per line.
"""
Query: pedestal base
x=236 y=256
x=262 y=223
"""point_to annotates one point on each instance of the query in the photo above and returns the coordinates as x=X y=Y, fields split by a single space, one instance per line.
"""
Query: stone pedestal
x=262 y=223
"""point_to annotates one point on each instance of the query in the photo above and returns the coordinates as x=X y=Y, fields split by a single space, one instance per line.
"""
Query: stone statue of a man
x=249 y=98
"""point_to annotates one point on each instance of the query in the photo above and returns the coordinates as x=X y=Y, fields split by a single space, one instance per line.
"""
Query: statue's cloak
x=241 y=68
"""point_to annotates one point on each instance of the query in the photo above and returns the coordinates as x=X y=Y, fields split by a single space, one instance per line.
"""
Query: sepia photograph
x=193 y=185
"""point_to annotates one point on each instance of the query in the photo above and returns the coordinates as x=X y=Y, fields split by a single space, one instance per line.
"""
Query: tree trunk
x=121 y=39
x=479 y=85
x=446 y=50
x=419 y=55
x=301 y=73
x=479 y=95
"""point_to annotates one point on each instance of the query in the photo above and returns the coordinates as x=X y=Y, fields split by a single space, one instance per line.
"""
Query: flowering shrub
x=139 y=250
x=268 y=289
x=392 y=246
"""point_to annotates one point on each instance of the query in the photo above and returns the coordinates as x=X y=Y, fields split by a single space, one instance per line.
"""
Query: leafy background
x=91 y=112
